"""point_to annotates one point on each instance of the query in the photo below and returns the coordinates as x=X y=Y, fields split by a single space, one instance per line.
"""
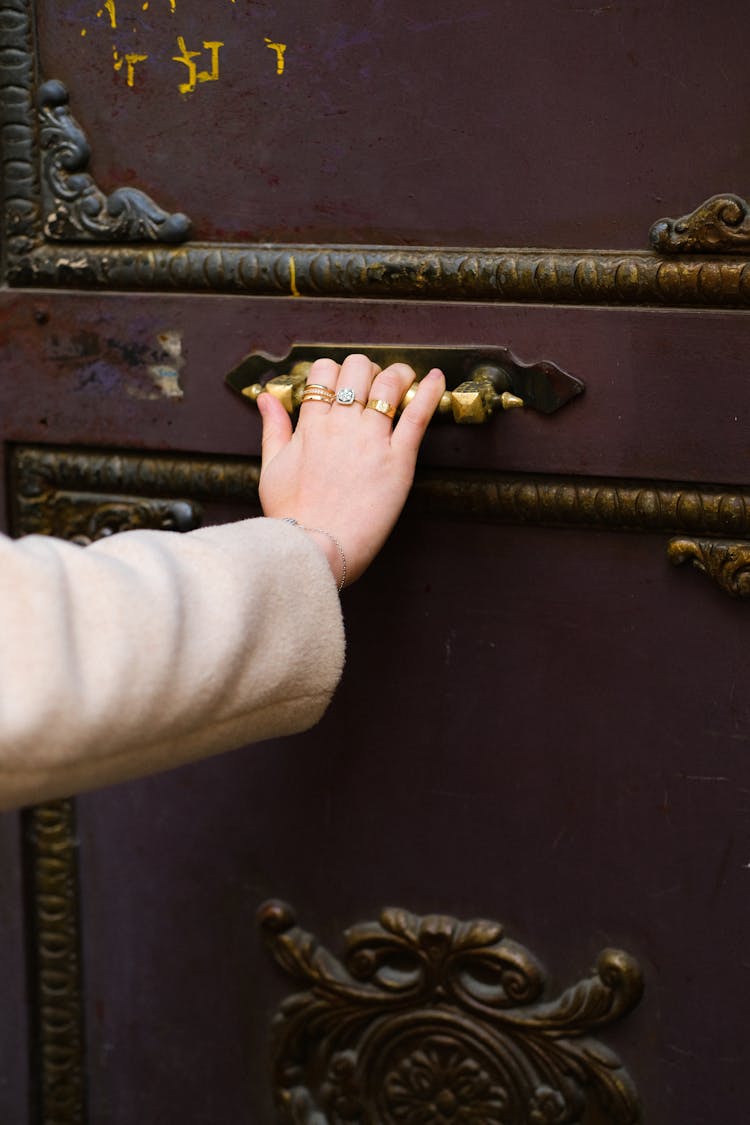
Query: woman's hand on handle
x=346 y=468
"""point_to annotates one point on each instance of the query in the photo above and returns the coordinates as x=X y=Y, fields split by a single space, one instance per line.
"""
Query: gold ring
x=316 y=396
x=318 y=387
x=346 y=396
x=381 y=406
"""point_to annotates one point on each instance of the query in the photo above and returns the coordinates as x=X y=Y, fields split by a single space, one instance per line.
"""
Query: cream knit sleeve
x=151 y=649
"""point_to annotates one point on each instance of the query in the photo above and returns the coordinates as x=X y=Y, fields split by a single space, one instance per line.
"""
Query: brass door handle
x=479 y=380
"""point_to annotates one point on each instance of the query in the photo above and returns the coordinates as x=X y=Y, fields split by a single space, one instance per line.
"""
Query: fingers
x=321 y=378
x=277 y=427
x=389 y=387
x=412 y=424
x=323 y=373
x=355 y=379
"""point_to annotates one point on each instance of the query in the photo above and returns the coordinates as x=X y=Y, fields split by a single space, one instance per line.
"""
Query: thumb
x=277 y=426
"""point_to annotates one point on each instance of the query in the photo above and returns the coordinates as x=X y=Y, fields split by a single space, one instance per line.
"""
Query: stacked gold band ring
x=381 y=406
x=316 y=392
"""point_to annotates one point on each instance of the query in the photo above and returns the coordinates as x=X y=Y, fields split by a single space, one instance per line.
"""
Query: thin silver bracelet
x=334 y=540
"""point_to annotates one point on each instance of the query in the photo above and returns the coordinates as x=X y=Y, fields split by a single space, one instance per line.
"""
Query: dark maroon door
x=543 y=720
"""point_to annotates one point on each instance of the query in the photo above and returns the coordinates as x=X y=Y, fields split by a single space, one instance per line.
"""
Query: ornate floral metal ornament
x=429 y=1020
x=49 y=197
x=74 y=207
x=721 y=225
x=725 y=561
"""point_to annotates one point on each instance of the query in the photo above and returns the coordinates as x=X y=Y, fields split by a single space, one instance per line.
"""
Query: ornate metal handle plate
x=480 y=380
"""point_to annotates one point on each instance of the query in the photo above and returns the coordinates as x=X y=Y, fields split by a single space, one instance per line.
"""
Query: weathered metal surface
x=428 y=1019
x=393 y=273
x=69 y=492
x=721 y=225
x=75 y=209
x=480 y=376
x=725 y=561
x=54 y=964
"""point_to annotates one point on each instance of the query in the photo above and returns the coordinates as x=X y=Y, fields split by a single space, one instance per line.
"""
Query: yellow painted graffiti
x=279 y=48
x=109 y=6
x=130 y=63
x=188 y=59
x=201 y=65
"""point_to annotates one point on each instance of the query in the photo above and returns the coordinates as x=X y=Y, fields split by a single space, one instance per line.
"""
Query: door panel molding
x=59 y=491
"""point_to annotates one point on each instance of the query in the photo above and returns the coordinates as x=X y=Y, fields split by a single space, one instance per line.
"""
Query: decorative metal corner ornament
x=726 y=561
x=429 y=1020
x=75 y=209
x=721 y=225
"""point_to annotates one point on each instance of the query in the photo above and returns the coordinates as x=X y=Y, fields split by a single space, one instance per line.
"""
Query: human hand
x=346 y=469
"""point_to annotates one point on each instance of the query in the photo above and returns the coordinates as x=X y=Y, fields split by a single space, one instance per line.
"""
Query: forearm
x=150 y=649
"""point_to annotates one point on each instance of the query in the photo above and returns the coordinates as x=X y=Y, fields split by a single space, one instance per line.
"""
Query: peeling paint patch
x=164 y=373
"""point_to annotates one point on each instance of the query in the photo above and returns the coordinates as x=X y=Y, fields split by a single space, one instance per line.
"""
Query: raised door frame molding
x=700 y=262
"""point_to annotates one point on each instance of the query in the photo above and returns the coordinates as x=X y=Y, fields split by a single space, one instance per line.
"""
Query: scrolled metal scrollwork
x=725 y=561
x=720 y=225
x=74 y=207
x=83 y=518
x=431 y=1020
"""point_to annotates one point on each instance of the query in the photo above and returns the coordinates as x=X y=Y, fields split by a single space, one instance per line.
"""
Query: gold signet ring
x=381 y=406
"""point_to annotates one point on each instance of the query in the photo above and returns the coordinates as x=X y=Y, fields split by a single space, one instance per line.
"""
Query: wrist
x=330 y=547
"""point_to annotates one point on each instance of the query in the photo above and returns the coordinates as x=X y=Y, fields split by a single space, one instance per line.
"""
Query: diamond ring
x=346 y=396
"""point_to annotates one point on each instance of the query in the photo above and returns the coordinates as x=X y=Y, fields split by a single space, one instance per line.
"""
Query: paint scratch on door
x=293 y=277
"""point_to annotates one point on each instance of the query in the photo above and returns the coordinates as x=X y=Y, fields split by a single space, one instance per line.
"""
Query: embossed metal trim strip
x=18 y=143
x=597 y=503
x=373 y=272
x=50 y=858
x=393 y=273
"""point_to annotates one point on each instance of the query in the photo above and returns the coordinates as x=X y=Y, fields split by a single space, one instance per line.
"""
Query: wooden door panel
x=665 y=390
x=485 y=125
x=542 y=721
x=516 y=740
